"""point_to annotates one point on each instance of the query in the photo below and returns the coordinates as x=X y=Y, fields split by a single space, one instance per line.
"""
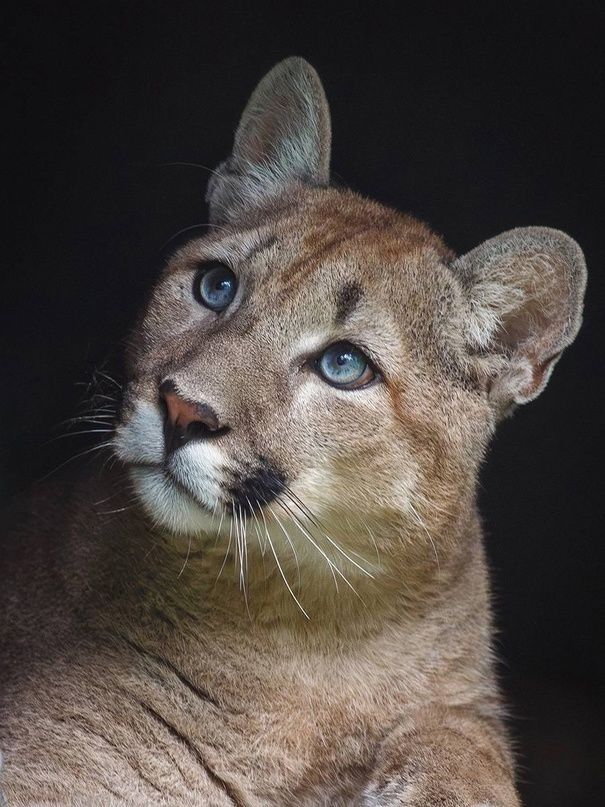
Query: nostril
x=206 y=417
x=186 y=420
x=197 y=429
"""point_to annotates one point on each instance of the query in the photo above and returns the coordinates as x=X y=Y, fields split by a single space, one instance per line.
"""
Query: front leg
x=443 y=757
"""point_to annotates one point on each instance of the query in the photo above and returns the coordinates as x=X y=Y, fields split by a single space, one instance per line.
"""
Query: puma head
x=318 y=358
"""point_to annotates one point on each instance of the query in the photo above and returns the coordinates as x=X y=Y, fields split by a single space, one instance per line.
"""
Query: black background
x=475 y=121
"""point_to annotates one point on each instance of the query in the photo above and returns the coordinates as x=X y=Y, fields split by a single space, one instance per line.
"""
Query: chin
x=169 y=506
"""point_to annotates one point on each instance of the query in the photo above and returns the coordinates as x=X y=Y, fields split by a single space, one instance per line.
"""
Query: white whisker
x=244 y=560
x=220 y=571
x=220 y=524
x=262 y=545
x=186 y=558
x=285 y=532
x=75 y=457
x=75 y=434
x=335 y=545
x=332 y=566
x=281 y=571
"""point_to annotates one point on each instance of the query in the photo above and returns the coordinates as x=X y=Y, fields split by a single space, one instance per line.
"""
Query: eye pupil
x=214 y=286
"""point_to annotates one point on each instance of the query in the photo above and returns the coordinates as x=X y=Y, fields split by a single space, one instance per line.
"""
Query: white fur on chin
x=168 y=506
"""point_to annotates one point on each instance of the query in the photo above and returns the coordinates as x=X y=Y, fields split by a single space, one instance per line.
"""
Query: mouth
x=171 y=480
x=173 y=484
x=196 y=481
x=169 y=503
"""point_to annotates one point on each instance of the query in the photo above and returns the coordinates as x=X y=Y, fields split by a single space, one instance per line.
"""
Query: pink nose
x=186 y=420
x=180 y=412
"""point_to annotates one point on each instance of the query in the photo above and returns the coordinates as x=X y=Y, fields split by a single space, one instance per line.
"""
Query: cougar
x=273 y=588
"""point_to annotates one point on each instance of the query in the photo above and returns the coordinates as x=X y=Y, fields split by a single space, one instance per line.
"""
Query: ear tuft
x=525 y=290
x=283 y=137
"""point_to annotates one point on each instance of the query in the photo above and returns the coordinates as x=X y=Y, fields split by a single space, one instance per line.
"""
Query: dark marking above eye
x=262 y=247
x=347 y=299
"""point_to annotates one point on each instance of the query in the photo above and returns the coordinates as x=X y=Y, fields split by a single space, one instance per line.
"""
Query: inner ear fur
x=525 y=291
x=283 y=137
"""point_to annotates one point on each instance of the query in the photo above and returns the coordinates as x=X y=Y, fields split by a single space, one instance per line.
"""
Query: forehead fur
x=338 y=257
x=331 y=222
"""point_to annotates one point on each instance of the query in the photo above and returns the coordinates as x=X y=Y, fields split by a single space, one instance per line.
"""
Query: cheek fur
x=140 y=438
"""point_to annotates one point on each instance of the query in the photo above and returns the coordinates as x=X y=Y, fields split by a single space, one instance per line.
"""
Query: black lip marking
x=251 y=491
x=348 y=297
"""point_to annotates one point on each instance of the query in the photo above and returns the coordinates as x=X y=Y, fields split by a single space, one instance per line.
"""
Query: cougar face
x=319 y=359
x=294 y=431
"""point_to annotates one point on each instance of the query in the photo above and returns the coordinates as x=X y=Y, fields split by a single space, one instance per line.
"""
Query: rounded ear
x=283 y=137
x=526 y=290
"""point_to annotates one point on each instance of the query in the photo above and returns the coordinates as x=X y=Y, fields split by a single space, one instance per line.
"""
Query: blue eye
x=344 y=365
x=214 y=286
